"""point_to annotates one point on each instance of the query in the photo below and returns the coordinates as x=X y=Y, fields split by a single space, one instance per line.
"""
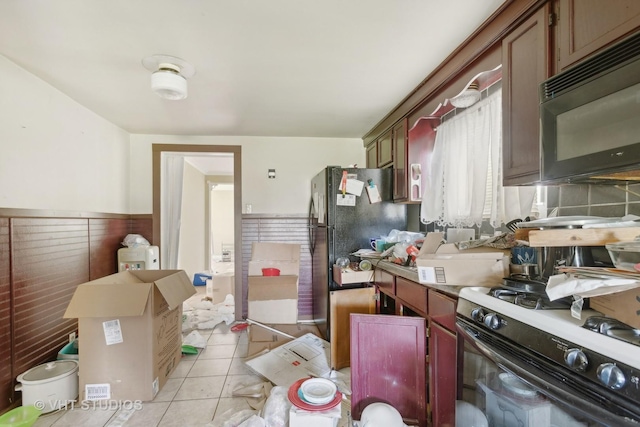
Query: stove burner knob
x=477 y=314
x=576 y=359
x=493 y=321
x=611 y=376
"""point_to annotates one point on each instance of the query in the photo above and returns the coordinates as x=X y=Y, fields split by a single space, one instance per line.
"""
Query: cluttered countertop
x=436 y=264
x=411 y=273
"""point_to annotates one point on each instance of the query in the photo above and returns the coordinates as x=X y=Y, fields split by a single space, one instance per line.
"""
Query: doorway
x=191 y=150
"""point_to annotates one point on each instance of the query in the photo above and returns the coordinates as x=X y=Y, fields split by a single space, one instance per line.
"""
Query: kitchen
x=124 y=187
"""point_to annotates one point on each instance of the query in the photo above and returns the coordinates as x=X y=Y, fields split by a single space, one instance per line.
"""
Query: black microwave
x=590 y=118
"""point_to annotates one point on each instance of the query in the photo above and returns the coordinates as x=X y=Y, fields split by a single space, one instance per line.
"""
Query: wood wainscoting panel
x=50 y=259
x=105 y=238
x=6 y=324
x=142 y=225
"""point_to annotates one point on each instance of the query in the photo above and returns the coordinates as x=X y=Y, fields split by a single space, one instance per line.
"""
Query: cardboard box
x=623 y=306
x=444 y=264
x=301 y=418
x=219 y=286
x=268 y=337
x=343 y=276
x=274 y=299
x=130 y=324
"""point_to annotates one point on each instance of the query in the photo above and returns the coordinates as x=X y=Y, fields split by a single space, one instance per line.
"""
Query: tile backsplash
x=570 y=199
x=594 y=199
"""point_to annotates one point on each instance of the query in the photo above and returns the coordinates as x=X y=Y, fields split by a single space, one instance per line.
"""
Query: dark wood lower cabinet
x=442 y=375
x=388 y=364
x=400 y=298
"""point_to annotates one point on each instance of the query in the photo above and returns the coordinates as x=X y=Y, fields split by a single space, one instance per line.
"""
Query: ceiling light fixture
x=169 y=76
x=469 y=96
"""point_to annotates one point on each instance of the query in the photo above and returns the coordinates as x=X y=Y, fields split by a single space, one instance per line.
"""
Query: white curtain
x=171 y=202
x=464 y=179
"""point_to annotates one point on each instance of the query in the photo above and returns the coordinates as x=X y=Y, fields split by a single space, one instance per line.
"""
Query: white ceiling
x=309 y=68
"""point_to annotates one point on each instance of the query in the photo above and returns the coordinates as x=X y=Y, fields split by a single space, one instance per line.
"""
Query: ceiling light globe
x=169 y=85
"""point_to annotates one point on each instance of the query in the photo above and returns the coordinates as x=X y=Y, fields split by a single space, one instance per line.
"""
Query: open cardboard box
x=343 y=276
x=444 y=264
x=274 y=299
x=623 y=306
x=131 y=329
x=219 y=286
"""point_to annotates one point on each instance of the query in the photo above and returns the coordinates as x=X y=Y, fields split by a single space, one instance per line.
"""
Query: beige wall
x=56 y=154
x=296 y=161
x=70 y=159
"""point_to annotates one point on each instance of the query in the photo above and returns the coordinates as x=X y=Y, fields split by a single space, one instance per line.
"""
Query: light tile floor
x=198 y=392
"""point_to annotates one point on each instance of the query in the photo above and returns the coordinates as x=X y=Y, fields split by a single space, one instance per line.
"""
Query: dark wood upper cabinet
x=585 y=27
x=372 y=155
x=525 y=62
x=385 y=150
x=400 y=169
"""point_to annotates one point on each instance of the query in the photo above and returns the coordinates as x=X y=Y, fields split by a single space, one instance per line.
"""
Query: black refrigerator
x=340 y=224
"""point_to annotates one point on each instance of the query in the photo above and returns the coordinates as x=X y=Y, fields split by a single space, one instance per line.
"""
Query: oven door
x=504 y=385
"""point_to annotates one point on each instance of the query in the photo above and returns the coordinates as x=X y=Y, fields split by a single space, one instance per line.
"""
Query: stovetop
x=558 y=323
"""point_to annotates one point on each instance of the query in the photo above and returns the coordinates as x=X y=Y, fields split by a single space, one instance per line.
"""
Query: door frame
x=236 y=150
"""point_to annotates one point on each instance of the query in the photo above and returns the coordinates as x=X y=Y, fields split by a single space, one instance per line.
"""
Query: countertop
x=411 y=273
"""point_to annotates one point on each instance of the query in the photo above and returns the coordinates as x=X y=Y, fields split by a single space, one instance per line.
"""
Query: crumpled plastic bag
x=276 y=409
x=195 y=339
x=408 y=237
x=564 y=285
x=502 y=241
x=254 y=421
x=198 y=314
x=134 y=241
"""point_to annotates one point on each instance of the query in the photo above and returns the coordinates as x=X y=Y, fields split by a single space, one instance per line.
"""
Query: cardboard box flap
x=108 y=300
x=122 y=278
x=275 y=251
x=174 y=285
x=264 y=288
x=432 y=242
x=287 y=268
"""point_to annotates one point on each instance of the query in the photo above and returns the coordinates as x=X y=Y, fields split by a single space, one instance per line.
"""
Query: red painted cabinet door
x=388 y=356
x=442 y=376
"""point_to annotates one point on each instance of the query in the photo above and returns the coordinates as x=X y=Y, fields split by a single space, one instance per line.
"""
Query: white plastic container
x=50 y=386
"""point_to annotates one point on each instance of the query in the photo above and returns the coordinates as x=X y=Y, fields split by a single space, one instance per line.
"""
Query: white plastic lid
x=48 y=371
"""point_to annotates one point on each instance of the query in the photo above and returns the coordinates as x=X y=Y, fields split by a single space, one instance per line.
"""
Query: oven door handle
x=595 y=403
